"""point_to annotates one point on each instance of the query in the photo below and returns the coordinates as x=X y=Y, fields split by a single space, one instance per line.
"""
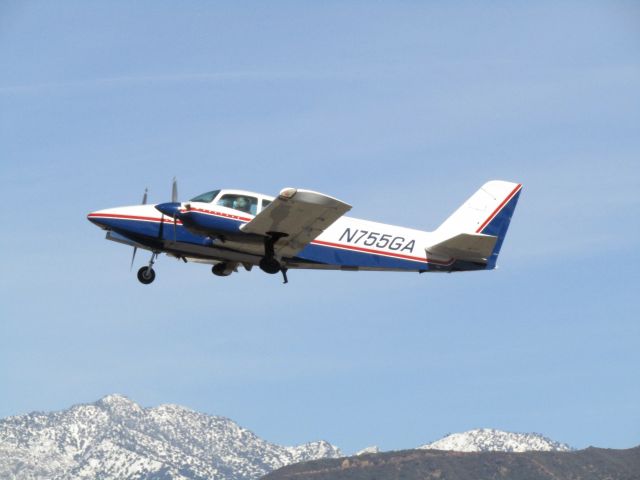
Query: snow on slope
x=116 y=438
x=368 y=450
x=490 y=440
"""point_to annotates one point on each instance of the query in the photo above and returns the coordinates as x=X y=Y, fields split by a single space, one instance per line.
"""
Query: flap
x=301 y=215
x=465 y=246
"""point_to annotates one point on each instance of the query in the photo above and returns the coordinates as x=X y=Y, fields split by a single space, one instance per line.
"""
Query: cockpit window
x=243 y=203
x=206 y=197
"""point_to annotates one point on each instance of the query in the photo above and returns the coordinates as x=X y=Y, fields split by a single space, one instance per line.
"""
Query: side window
x=239 y=202
x=265 y=203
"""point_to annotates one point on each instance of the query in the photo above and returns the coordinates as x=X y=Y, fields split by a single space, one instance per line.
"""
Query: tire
x=270 y=265
x=146 y=275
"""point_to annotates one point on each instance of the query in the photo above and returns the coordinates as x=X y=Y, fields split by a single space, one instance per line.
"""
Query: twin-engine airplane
x=306 y=229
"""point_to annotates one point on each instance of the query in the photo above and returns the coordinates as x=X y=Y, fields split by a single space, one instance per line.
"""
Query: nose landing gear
x=146 y=275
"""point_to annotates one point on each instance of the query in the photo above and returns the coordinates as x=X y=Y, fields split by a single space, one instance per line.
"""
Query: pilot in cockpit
x=241 y=204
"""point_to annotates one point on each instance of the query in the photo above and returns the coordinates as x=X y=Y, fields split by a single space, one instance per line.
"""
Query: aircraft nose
x=97 y=218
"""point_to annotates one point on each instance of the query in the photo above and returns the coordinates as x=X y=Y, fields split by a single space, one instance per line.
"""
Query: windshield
x=206 y=197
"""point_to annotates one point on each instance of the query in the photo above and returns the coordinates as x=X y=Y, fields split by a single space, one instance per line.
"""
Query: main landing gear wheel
x=270 y=265
x=146 y=275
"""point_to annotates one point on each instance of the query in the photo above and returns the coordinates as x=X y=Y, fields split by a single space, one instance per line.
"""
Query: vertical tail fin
x=488 y=211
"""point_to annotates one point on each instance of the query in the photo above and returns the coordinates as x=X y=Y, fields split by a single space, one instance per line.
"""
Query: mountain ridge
x=493 y=440
x=115 y=437
x=419 y=464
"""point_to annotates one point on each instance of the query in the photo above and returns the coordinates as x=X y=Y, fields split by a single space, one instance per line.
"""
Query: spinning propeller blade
x=174 y=199
x=135 y=249
x=174 y=190
x=170 y=209
x=133 y=257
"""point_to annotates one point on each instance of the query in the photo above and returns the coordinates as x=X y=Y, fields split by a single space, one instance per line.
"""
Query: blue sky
x=402 y=109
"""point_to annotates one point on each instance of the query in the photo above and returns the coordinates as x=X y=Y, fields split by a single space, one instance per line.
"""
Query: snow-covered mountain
x=490 y=440
x=116 y=438
x=368 y=450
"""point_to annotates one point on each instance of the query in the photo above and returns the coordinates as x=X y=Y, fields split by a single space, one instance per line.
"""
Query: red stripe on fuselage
x=120 y=216
x=316 y=242
x=218 y=214
x=379 y=252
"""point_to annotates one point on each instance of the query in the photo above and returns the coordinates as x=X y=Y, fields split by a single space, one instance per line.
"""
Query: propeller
x=135 y=249
x=171 y=209
x=174 y=198
x=174 y=190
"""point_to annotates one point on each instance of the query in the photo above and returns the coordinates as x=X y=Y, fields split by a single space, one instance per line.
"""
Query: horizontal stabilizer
x=465 y=246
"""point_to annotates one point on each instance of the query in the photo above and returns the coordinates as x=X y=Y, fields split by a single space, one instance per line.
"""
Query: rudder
x=488 y=211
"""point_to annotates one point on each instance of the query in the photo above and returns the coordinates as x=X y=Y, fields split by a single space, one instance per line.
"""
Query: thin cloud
x=135 y=80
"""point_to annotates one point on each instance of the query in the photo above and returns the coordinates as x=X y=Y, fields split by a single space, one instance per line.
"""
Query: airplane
x=304 y=229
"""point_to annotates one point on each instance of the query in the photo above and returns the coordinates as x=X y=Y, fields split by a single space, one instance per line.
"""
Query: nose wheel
x=146 y=275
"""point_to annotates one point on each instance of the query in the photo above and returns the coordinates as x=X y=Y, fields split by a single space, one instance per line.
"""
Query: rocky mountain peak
x=492 y=440
x=115 y=405
x=368 y=450
x=116 y=438
x=115 y=400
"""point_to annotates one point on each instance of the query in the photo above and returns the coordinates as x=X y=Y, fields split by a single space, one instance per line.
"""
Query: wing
x=298 y=217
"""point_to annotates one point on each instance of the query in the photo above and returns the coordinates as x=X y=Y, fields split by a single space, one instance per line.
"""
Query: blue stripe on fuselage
x=311 y=253
x=152 y=230
x=211 y=224
x=350 y=258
